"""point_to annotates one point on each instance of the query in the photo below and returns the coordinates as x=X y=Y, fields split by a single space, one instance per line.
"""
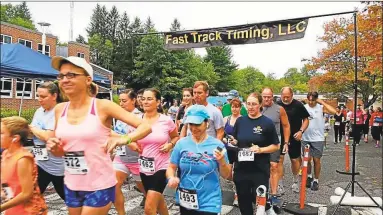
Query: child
x=19 y=191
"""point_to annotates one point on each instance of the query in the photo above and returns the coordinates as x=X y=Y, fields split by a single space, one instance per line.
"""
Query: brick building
x=12 y=88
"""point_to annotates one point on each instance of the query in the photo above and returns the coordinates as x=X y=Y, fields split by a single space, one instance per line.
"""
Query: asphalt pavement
x=368 y=164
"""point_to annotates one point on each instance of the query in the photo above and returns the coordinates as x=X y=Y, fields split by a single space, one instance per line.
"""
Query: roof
x=101 y=68
x=27 y=29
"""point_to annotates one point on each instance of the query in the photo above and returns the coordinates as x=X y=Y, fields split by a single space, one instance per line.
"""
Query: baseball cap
x=233 y=94
x=77 y=61
x=196 y=114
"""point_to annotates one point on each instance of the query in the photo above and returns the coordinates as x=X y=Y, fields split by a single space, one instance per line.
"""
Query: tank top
x=229 y=129
x=83 y=142
x=11 y=185
x=315 y=130
x=274 y=113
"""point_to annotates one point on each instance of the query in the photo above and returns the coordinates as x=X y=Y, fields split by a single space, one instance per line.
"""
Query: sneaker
x=281 y=190
x=271 y=212
x=335 y=142
x=295 y=187
x=377 y=145
x=309 y=181
x=300 y=171
x=235 y=202
x=142 y=204
x=275 y=200
x=315 y=186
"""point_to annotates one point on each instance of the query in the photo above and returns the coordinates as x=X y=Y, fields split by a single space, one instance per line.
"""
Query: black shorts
x=294 y=149
x=156 y=182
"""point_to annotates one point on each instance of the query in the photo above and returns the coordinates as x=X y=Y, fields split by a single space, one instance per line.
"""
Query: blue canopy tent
x=19 y=61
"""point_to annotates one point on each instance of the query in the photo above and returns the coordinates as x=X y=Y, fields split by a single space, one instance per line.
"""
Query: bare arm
x=220 y=133
x=184 y=131
x=327 y=106
x=285 y=125
x=305 y=124
x=57 y=151
x=24 y=172
x=43 y=135
x=171 y=171
x=270 y=149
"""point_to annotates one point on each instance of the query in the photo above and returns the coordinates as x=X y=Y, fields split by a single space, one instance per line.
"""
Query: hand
x=112 y=142
x=173 y=182
x=134 y=146
x=285 y=148
x=232 y=140
x=298 y=135
x=256 y=149
x=54 y=144
x=219 y=155
x=166 y=147
x=224 y=140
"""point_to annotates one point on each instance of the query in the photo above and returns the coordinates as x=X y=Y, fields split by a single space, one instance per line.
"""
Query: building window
x=82 y=55
x=27 y=90
x=47 y=49
x=37 y=84
x=5 y=39
x=26 y=43
x=6 y=86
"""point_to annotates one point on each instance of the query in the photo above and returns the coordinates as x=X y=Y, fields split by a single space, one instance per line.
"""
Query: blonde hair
x=204 y=84
x=93 y=89
x=17 y=126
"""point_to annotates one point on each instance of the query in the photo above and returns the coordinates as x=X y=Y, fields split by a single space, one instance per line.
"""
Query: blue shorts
x=98 y=198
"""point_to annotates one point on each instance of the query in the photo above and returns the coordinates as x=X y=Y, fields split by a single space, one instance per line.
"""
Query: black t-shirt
x=296 y=112
x=181 y=112
x=261 y=132
x=338 y=118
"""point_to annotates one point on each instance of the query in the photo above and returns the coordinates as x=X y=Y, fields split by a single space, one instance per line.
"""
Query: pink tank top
x=86 y=138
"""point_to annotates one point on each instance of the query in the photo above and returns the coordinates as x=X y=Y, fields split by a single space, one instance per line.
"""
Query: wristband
x=301 y=131
x=127 y=139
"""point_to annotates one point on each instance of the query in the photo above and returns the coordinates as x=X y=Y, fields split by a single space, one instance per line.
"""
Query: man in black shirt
x=298 y=119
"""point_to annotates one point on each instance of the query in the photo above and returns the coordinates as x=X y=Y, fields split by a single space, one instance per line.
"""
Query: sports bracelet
x=127 y=139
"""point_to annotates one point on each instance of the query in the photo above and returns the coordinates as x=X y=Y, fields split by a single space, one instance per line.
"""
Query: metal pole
x=355 y=101
x=22 y=97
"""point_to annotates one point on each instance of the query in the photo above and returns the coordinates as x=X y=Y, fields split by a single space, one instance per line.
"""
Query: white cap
x=77 y=61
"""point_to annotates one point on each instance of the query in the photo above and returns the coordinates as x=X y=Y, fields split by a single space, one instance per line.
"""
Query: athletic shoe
x=235 y=202
x=271 y=212
x=309 y=181
x=281 y=190
x=335 y=142
x=142 y=204
x=300 y=171
x=295 y=187
x=275 y=200
x=315 y=186
x=377 y=145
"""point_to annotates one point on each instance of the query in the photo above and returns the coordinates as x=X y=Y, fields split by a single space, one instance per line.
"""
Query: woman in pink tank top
x=20 y=193
x=83 y=138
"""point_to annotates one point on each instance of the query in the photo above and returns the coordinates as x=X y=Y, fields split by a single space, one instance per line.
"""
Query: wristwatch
x=301 y=131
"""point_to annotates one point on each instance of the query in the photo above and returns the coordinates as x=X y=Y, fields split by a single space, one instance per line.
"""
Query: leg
x=245 y=196
x=155 y=201
x=58 y=183
x=336 y=132
x=75 y=211
x=119 y=201
x=274 y=160
x=317 y=167
x=96 y=210
x=43 y=179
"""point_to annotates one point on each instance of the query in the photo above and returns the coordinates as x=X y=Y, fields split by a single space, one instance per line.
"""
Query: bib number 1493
x=188 y=198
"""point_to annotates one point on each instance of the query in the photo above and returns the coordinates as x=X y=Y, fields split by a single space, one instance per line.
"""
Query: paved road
x=368 y=163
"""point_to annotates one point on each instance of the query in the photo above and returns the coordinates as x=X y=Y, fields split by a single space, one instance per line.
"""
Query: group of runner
x=87 y=160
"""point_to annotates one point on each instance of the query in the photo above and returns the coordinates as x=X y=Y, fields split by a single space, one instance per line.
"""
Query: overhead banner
x=237 y=35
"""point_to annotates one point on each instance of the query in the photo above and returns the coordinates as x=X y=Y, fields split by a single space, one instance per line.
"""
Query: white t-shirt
x=215 y=120
x=315 y=131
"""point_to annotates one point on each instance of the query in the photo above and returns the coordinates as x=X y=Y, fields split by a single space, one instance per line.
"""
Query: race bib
x=121 y=150
x=337 y=123
x=375 y=124
x=75 y=163
x=188 y=198
x=8 y=193
x=146 y=164
x=40 y=152
x=357 y=119
x=245 y=155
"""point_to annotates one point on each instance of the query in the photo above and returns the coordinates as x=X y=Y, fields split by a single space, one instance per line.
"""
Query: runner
x=173 y=110
x=298 y=120
x=376 y=123
x=229 y=121
x=315 y=137
x=139 y=101
x=187 y=98
x=82 y=136
x=20 y=193
x=200 y=161
x=154 y=159
x=279 y=117
x=215 y=129
x=50 y=168
x=366 y=126
x=339 y=117
x=226 y=109
x=126 y=161
x=256 y=137
x=357 y=129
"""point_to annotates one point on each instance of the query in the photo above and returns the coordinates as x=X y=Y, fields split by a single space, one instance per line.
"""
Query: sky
x=272 y=57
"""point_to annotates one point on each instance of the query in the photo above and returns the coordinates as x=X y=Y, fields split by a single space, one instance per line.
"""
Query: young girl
x=20 y=193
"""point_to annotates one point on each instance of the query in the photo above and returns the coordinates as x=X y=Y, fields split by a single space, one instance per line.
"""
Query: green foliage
x=116 y=99
x=17 y=15
x=25 y=113
x=81 y=39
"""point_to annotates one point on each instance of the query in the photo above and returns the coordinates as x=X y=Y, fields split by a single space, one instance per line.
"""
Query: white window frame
x=4 y=35
x=37 y=84
x=49 y=53
x=7 y=91
x=27 y=81
x=25 y=41
x=79 y=55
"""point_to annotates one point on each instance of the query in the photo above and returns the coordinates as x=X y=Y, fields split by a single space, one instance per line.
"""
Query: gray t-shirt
x=123 y=128
x=172 y=112
x=215 y=121
x=45 y=120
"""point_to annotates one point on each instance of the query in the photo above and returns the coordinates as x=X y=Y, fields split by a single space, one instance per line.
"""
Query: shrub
x=25 y=113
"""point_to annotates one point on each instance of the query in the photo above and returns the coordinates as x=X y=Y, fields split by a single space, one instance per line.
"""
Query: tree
x=176 y=25
x=248 y=80
x=98 y=22
x=113 y=18
x=101 y=51
x=81 y=39
x=337 y=59
x=17 y=15
x=149 y=25
x=221 y=58
x=22 y=11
